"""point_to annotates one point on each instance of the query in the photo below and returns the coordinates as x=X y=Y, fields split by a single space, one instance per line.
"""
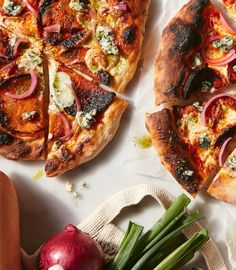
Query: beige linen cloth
x=99 y=225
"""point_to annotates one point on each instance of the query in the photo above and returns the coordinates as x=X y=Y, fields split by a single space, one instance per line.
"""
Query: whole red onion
x=72 y=249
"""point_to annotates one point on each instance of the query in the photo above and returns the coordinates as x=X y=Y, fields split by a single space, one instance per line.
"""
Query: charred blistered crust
x=45 y=5
x=15 y=148
x=5 y=138
x=172 y=150
x=179 y=42
x=76 y=39
x=128 y=34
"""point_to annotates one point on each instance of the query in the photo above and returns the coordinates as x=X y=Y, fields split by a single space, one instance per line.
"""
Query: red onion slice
x=68 y=132
x=121 y=6
x=72 y=62
x=17 y=44
x=209 y=104
x=222 y=150
x=220 y=61
x=3 y=56
x=93 y=13
x=31 y=8
x=30 y=91
x=226 y=25
x=54 y=28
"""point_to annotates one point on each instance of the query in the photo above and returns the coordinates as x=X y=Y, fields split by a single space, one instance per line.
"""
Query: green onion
x=184 y=253
x=127 y=246
x=174 y=210
x=156 y=248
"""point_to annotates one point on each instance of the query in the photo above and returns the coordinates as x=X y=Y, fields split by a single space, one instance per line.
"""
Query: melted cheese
x=60 y=88
x=31 y=59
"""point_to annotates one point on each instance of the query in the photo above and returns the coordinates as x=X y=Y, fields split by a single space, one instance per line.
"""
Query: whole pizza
x=194 y=75
x=62 y=63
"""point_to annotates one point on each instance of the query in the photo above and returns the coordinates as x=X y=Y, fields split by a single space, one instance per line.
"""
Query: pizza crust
x=24 y=148
x=223 y=186
x=179 y=40
x=173 y=152
x=120 y=81
x=89 y=143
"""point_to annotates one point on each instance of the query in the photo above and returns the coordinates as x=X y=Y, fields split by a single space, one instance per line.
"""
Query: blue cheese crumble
x=77 y=5
x=105 y=38
x=31 y=59
x=225 y=44
x=232 y=163
x=11 y=8
x=85 y=120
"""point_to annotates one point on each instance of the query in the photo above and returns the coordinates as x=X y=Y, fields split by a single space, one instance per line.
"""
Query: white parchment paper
x=138 y=160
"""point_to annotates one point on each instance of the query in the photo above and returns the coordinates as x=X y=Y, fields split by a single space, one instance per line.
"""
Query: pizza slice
x=101 y=39
x=83 y=118
x=22 y=95
x=223 y=187
x=190 y=139
x=230 y=6
x=20 y=17
x=197 y=54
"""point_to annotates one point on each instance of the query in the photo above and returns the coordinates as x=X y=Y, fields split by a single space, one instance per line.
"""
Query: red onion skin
x=73 y=250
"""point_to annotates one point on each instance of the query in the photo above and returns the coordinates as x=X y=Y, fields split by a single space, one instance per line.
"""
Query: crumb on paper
x=83 y=184
x=38 y=174
x=143 y=141
x=69 y=187
x=75 y=194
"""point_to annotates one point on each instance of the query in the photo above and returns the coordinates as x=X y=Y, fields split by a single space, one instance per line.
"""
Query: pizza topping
x=197 y=60
x=206 y=86
x=232 y=163
x=76 y=39
x=79 y=5
x=85 y=120
x=12 y=8
x=61 y=90
x=30 y=91
x=31 y=59
x=106 y=40
x=198 y=79
x=104 y=77
x=209 y=104
x=54 y=28
x=45 y=5
x=17 y=44
x=27 y=116
x=68 y=132
x=31 y=8
x=220 y=61
x=234 y=68
x=121 y=6
x=225 y=44
x=120 y=67
x=205 y=142
x=97 y=99
x=128 y=34
x=56 y=145
x=95 y=60
x=226 y=25
x=198 y=106
x=222 y=150
x=5 y=138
